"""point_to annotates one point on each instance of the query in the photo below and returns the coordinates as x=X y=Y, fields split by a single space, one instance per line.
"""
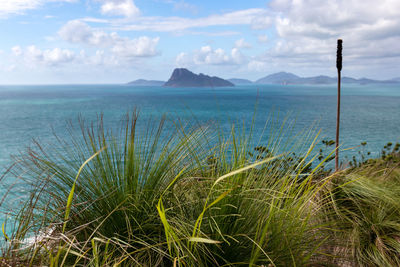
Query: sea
x=369 y=113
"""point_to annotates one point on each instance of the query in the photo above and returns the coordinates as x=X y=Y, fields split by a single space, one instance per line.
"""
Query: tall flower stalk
x=339 y=69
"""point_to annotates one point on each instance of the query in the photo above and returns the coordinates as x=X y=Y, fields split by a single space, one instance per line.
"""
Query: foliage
x=169 y=194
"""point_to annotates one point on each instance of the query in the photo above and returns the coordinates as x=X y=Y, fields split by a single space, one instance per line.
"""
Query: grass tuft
x=170 y=194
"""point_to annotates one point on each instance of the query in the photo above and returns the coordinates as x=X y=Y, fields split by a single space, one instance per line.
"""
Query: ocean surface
x=370 y=113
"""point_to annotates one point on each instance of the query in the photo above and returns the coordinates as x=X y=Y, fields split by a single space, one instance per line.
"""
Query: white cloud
x=125 y=8
x=76 y=31
x=183 y=60
x=17 y=6
x=79 y=32
x=139 y=47
x=205 y=33
x=33 y=54
x=33 y=57
x=176 y=24
x=256 y=65
x=58 y=56
x=17 y=50
x=355 y=21
x=307 y=30
x=241 y=43
x=263 y=21
x=206 y=55
x=10 y=7
x=50 y=57
x=185 y=6
x=181 y=5
x=237 y=56
x=304 y=37
x=100 y=58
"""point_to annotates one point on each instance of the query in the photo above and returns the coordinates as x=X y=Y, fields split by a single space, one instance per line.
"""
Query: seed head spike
x=339 y=54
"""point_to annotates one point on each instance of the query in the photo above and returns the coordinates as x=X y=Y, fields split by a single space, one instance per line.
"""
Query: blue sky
x=116 y=41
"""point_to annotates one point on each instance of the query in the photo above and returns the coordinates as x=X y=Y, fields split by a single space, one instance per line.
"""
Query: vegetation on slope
x=192 y=196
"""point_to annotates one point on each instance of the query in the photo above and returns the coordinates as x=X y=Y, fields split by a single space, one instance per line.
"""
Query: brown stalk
x=339 y=69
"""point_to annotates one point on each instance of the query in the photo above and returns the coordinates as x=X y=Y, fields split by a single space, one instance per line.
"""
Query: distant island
x=184 y=78
x=237 y=81
x=290 y=78
x=142 y=82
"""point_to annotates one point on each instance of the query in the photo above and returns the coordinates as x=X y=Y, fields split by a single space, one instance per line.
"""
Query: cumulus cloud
x=125 y=8
x=50 y=57
x=206 y=55
x=256 y=65
x=139 y=47
x=32 y=57
x=357 y=22
x=76 y=31
x=57 y=56
x=183 y=60
x=306 y=32
x=237 y=56
x=99 y=58
x=79 y=32
x=241 y=43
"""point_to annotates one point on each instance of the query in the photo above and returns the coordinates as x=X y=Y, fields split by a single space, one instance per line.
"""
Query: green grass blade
x=71 y=193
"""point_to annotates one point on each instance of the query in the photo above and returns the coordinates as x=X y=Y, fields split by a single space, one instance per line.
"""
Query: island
x=142 y=82
x=290 y=78
x=182 y=77
x=237 y=81
x=279 y=78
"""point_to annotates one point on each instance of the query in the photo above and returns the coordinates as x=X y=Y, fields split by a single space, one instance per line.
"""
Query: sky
x=117 y=41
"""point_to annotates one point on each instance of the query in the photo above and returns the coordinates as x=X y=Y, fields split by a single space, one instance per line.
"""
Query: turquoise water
x=369 y=113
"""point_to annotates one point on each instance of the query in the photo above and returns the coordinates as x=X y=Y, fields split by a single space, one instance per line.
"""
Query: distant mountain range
x=280 y=77
x=184 y=78
x=290 y=78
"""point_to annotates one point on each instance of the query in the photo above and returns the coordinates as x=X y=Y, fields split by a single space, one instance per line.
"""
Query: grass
x=196 y=196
